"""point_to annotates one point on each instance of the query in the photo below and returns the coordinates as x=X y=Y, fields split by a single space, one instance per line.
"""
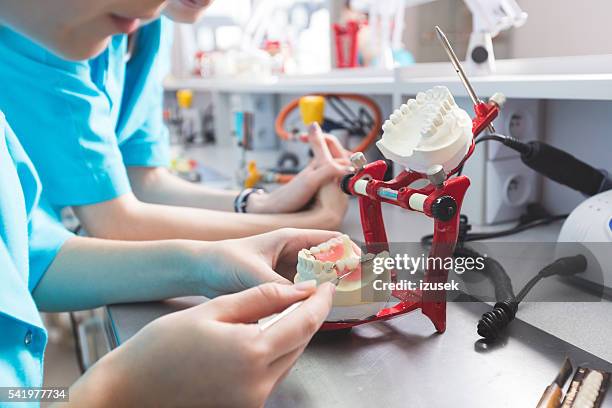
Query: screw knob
x=436 y=175
x=358 y=160
x=444 y=208
x=498 y=98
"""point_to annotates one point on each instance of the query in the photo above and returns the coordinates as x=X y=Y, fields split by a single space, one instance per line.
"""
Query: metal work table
x=403 y=362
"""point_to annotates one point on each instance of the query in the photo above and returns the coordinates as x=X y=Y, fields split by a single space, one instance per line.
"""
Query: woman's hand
x=209 y=355
x=233 y=265
x=330 y=162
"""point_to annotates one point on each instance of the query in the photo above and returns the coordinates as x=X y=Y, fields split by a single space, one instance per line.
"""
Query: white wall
x=563 y=27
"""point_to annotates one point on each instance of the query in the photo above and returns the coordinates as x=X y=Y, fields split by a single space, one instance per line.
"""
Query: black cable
x=493 y=270
x=492 y=136
x=468 y=237
x=493 y=323
x=545 y=159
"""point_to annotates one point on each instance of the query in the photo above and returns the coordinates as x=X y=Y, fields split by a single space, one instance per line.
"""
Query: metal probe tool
x=554 y=392
x=272 y=320
x=459 y=70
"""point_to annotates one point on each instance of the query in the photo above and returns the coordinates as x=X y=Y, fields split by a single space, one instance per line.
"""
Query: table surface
x=403 y=362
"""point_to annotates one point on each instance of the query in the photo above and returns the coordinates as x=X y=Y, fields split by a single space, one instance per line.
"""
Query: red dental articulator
x=440 y=200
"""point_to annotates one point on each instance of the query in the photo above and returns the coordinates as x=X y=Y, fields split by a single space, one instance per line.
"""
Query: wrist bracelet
x=242 y=199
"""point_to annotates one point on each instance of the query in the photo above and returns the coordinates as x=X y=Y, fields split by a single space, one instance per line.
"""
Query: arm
x=157 y=185
x=89 y=272
x=137 y=221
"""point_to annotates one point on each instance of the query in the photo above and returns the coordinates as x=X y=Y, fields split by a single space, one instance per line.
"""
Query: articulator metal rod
x=459 y=69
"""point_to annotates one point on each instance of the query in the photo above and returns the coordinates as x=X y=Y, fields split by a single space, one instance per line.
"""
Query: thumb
x=258 y=302
x=326 y=174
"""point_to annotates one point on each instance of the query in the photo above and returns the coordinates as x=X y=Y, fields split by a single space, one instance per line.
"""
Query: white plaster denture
x=589 y=390
x=426 y=131
x=355 y=298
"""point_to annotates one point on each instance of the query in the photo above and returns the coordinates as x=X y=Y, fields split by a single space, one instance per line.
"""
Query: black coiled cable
x=493 y=323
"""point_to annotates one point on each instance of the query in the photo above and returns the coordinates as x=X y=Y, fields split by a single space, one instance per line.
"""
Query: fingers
x=253 y=304
x=335 y=148
x=318 y=143
x=296 y=329
x=296 y=239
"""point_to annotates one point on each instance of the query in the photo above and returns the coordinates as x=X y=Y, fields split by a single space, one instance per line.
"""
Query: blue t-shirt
x=29 y=240
x=83 y=122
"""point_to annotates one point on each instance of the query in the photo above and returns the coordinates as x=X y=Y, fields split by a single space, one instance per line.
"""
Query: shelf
x=585 y=77
x=338 y=81
x=578 y=78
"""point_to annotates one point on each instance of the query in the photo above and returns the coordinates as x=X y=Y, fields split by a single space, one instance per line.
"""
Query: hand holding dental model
x=269 y=257
x=140 y=271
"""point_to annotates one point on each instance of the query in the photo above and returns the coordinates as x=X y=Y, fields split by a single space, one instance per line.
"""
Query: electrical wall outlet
x=502 y=185
x=519 y=118
x=510 y=186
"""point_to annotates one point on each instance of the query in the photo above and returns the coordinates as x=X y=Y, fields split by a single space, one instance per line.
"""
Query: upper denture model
x=426 y=131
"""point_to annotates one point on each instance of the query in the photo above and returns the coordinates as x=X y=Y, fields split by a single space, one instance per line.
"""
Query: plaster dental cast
x=98 y=140
x=355 y=298
x=44 y=267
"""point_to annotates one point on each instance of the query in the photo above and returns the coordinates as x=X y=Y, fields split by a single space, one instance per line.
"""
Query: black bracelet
x=242 y=199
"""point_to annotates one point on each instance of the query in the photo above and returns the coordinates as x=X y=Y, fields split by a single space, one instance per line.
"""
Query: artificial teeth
x=387 y=126
x=405 y=109
x=351 y=262
x=315 y=250
x=395 y=117
x=437 y=121
x=421 y=98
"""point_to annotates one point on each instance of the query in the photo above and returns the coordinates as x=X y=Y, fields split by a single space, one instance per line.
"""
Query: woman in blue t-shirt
x=98 y=140
x=209 y=352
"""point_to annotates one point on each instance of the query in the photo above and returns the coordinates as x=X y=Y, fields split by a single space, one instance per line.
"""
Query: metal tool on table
x=440 y=200
x=553 y=394
x=274 y=319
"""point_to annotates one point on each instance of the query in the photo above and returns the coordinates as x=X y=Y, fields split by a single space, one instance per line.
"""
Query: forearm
x=165 y=222
x=138 y=221
x=89 y=272
x=159 y=186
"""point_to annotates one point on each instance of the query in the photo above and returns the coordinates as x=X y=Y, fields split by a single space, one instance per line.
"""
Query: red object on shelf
x=432 y=303
x=346 y=39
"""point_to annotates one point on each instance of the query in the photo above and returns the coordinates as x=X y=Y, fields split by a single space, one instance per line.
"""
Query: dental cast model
x=355 y=297
x=589 y=390
x=427 y=131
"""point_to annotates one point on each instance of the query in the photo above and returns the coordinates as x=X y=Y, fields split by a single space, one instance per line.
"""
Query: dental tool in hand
x=272 y=320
